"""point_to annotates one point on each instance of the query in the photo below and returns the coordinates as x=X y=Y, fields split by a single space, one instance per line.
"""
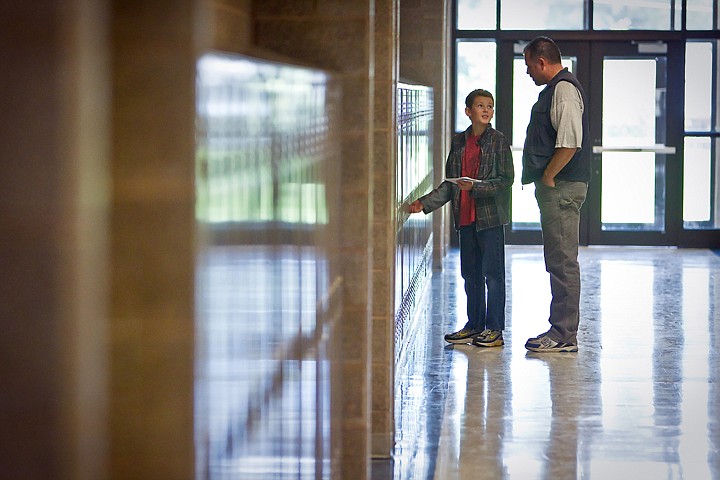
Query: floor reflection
x=639 y=400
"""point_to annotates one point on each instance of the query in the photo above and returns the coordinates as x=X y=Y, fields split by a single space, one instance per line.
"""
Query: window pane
x=631 y=15
x=701 y=195
x=525 y=94
x=698 y=90
x=699 y=14
x=475 y=69
x=476 y=14
x=525 y=213
x=633 y=193
x=542 y=15
x=629 y=107
x=696 y=180
x=628 y=188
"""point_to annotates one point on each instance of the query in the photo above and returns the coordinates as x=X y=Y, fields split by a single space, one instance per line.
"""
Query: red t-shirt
x=470 y=167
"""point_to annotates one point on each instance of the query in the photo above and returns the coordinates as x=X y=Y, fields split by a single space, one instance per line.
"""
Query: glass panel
x=545 y=15
x=525 y=213
x=699 y=14
x=628 y=107
x=475 y=69
x=631 y=15
x=698 y=88
x=477 y=14
x=235 y=152
x=633 y=183
x=267 y=141
x=701 y=195
x=714 y=100
x=696 y=180
x=628 y=187
x=700 y=164
x=716 y=83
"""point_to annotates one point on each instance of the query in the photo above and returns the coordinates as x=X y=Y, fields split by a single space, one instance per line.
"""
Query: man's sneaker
x=539 y=337
x=547 y=344
x=462 y=336
x=489 y=338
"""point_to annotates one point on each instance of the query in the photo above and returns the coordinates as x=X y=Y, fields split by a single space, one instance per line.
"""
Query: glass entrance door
x=626 y=83
x=629 y=119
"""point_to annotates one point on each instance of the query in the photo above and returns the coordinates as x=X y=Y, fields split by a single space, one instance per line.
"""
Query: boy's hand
x=415 y=207
x=465 y=184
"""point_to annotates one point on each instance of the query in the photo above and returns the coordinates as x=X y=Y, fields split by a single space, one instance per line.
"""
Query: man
x=556 y=158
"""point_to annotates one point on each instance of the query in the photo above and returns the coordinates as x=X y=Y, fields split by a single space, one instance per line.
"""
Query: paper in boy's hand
x=467 y=179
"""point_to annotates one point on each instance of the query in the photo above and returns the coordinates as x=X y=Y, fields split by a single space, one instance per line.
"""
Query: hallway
x=639 y=400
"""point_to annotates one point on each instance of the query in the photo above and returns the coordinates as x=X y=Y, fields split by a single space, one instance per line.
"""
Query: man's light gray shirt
x=566 y=112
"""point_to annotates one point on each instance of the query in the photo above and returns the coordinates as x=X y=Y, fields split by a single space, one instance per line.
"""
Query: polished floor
x=639 y=400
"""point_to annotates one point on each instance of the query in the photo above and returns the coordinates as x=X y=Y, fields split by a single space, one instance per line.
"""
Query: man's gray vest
x=540 y=139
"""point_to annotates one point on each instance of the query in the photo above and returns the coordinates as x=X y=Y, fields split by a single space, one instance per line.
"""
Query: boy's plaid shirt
x=492 y=196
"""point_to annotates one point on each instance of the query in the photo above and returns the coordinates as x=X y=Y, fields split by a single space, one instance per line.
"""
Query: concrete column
x=53 y=207
x=384 y=227
x=152 y=234
x=229 y=25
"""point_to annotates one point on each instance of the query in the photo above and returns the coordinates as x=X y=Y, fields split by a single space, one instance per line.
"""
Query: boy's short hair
x=543 y=47
x=470 y=99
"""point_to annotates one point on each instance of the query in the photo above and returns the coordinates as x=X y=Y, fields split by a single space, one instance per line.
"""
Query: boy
x=479 y=173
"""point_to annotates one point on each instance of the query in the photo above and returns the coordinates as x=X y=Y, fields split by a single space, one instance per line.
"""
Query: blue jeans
x=482 y=262
x=560 y=222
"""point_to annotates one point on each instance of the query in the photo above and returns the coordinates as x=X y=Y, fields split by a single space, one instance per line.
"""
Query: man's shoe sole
x=557 y=349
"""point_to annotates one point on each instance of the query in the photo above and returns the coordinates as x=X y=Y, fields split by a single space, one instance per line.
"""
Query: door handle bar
x=631 y=148
x=600 y=149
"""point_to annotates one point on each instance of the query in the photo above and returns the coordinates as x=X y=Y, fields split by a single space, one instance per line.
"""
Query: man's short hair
x=470 y=99
x=543 y=47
